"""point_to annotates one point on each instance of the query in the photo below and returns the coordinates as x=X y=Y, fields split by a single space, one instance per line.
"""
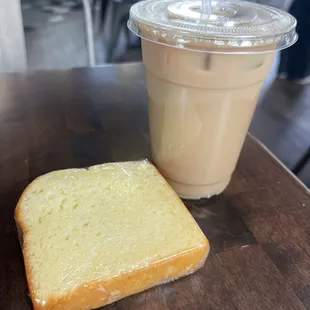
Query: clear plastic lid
x=233 y=26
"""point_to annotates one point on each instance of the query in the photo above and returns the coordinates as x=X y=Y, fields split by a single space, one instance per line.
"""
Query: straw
x=206 y=9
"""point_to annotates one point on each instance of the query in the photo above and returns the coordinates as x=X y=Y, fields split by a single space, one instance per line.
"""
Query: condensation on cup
x=204 y=74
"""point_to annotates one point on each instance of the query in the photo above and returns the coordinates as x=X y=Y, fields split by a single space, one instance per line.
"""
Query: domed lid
x=233 y=26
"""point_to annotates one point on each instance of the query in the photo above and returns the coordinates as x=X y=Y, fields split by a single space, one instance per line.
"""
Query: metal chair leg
x=114 y=30
x=103 y=11
x=119 y=12
x=302 y=163
x=89 y=33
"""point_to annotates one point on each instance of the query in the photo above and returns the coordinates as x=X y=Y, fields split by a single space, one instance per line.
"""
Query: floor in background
x=58 y=45
x=61 y=44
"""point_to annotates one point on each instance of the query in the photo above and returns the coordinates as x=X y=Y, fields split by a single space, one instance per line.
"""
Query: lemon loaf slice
x=93 y=236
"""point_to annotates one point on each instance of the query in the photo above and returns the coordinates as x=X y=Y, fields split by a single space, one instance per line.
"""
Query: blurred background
x=62 y=34
x=55 y=33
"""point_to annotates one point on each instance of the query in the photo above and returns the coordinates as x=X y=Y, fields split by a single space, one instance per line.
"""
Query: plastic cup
x=204 y=77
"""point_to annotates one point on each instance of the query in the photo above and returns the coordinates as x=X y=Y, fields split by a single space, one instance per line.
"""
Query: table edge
x=288 y=171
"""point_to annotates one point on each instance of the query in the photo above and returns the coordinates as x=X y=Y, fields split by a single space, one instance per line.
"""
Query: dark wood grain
x=259 y=229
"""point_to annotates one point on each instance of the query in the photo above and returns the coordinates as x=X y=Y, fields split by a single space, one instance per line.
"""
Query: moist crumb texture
x=88 y=226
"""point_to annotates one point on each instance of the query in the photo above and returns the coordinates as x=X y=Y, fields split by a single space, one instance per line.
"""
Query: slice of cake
x=93 y=236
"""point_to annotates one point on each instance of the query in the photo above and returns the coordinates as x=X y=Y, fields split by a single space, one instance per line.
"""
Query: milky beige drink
x=203 y=86
x=200 y=107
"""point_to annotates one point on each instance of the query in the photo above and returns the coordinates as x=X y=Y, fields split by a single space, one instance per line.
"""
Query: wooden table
x=259 y=229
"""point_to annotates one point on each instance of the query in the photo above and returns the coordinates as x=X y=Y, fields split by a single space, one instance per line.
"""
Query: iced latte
x=204 y=77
